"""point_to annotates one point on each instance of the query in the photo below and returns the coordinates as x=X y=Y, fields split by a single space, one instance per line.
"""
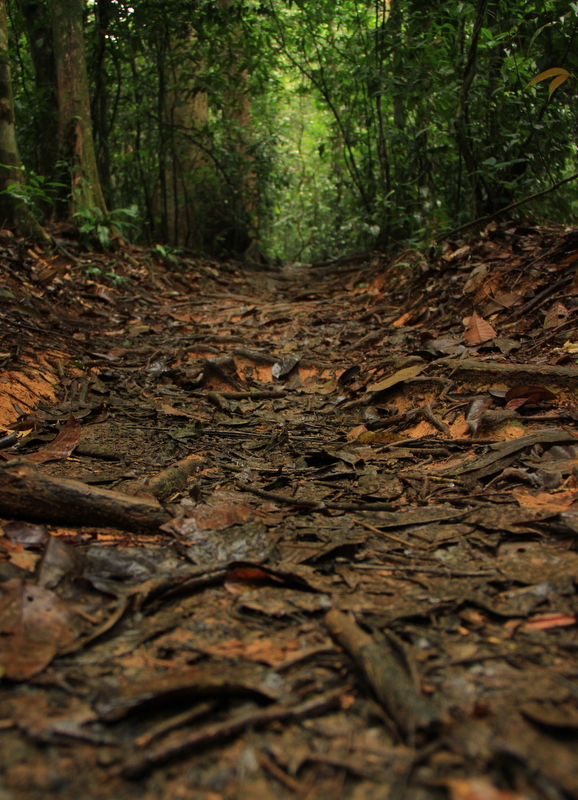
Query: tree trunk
x=463 y=136
x=237 y=112
x=39 y=35
x=104 y=12
x=76 y=145
x=187 y=167
x=13 y=210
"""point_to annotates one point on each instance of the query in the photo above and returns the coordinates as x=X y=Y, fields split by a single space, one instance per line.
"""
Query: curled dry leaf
x=556 y=316
x=62 y=446
x=477 y=277
x=519 y=396
x=477 y=406
x=478 y=330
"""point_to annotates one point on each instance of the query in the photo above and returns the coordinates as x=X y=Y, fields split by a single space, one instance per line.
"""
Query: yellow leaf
x=548 y=73
x=555 y=83
x=398 y=377
x=368 y=437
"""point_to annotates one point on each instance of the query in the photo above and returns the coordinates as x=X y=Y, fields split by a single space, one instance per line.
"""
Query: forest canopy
x=303 y=129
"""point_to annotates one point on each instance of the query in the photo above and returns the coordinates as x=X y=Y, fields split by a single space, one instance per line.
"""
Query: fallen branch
x=30 y=495
x=394 y=688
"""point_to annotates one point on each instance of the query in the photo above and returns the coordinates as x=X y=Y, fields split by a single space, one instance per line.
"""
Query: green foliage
x=97 y=227
x=429 y=125
x=316 y=127
x=111 y=275
x=35 y=192
x=169 y=256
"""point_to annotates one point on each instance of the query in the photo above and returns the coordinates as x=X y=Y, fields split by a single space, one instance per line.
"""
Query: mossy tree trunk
x=76 y=144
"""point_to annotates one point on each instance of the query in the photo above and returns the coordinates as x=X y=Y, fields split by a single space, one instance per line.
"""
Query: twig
x=314 y=504
x=448 y=572
x=178 y=746
x=383 y=533
x=503 y=210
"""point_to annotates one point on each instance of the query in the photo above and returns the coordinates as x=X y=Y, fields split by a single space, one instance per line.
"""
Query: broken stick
x=394 y=688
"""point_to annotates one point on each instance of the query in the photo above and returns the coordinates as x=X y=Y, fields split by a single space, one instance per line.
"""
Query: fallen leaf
x=244 y=579
x=556 y=316
x=543 y=622
x=519 y=396
x=368 y=437
x=397 y=377
x=356 y=432
x=61 y=447
x=35 y=624
x=171 y=411
x=544 y=500
x=397 y=323
x=479 y=789
x=478 y=330
x=555 y=715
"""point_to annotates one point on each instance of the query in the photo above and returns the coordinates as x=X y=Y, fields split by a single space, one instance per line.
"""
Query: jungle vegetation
x=303 y=129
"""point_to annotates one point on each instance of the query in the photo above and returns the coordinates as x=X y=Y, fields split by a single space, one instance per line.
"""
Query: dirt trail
x=295 y=533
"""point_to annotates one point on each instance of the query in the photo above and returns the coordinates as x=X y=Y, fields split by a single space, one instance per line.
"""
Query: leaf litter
x=298 y=532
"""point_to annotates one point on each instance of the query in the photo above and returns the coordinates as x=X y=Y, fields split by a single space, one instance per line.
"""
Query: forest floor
x=306 y=532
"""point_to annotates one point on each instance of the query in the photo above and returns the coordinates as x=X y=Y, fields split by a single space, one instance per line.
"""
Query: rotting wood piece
x=412 y=713
x=30 y=495
x=540 y=373
x=504 y=454
x=174 y=478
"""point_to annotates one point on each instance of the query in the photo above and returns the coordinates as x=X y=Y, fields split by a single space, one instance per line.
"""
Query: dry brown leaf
x=478 y=330
x=556 y=316
x=61 y=447
x=35 y=624
x=519 y=396
x=543 y=622
x=560 y=501
x=479 y=789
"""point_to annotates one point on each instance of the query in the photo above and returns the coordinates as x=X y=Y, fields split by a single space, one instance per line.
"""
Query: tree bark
x=39 y=35
x=75 y=141
x=463 y=136
x=237 y=111
x=13 y=211
x=31 y=495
